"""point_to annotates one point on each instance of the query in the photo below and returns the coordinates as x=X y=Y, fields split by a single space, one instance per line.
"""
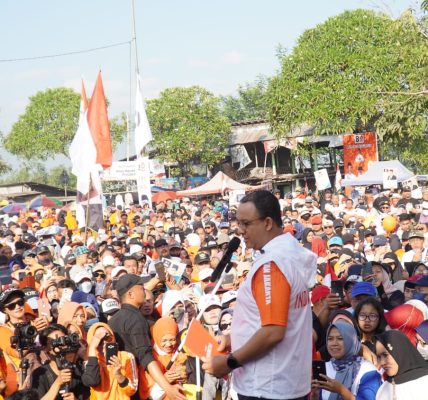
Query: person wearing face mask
x=422 y=339
x=84 y=282
x=173 y=305
x=81 y=254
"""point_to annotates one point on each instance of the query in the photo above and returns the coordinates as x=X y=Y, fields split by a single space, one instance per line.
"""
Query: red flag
x=99 y=125
x=329 y=275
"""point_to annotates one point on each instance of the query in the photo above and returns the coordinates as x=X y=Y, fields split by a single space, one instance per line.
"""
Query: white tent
x=374 y=175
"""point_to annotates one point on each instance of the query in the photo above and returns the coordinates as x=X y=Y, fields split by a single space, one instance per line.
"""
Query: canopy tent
x=220 y=183
x=374 y=175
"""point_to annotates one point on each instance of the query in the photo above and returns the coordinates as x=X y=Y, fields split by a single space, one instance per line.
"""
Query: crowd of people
x=101 y=315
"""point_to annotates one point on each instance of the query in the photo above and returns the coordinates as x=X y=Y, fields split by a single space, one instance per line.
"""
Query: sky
x=218 y=44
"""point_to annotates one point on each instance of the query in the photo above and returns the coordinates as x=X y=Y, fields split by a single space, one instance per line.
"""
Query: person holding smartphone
x=348 y=376
x=110 y=374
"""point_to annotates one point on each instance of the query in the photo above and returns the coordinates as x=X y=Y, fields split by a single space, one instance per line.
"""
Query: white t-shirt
x=412 y=390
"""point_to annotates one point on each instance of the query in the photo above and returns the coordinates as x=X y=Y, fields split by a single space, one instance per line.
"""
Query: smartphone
x=21 y=276
x=111 y=350
x=160 y=271
x=367 y=270
x=318 y=368
x=66 y=296
x=337 y=287
x=5 y=276
x=228 y=279
x=44 y=307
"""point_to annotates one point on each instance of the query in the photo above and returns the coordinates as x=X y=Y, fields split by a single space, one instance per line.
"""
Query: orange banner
x=359 y=151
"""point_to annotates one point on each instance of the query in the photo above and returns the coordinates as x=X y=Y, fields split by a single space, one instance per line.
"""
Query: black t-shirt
x=44 y=377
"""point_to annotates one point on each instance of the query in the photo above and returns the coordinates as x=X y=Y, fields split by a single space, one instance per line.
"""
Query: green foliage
x=357 y=71
x=49 y=124
x=250 y=104
x=55 y=174
x=187 y=124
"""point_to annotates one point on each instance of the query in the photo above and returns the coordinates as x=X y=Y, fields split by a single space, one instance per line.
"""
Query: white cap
x=82 y=275
x=205 y=273
x=109 y=306
x=107 y=260
x=194 y=240
x=228 y=296
x=204 y=301
x=135 y=248
x=117 y=270
x=158 y=224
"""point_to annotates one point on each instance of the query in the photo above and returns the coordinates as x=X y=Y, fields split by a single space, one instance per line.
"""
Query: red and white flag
x=329 y=275
x=338 y=179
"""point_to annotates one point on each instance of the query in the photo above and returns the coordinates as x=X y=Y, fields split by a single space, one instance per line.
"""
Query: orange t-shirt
x=271 y=291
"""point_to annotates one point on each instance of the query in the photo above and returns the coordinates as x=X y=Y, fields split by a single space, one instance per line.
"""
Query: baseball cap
x=304 y=211
x=363 y=288
x=161 y=242
x=316 y=220
x=223 y=224
x=98 y=268
x=205 y=273
x=407 y=189
x=110 y=306
x=338 y=223
x=117 y=270
x=6 y=294
x=319 y=292
x=222 y=239
x=82 y=275
x=127 y=282
x=202 y=258
x=81 y=250
x=205 y=302
x=335 y=241
x=423 y=281
x=135 y=248
x=348 y=238
x=107 y=260
x=380 y=240
x=29 y=252
x=228 y=297
x=416 y=234
x=42 y=249
x=158 y=224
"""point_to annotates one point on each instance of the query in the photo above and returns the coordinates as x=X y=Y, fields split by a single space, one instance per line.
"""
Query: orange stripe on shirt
x=272 y=292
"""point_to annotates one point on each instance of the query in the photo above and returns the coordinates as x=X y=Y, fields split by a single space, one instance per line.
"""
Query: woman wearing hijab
x=349 y=376
x=392 y=261
x=307 y=237
x=390 y=294
x=405 y=370
x=422 y=339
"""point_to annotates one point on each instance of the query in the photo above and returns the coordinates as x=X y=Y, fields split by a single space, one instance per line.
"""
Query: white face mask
x=85 y=286
x=423 y=350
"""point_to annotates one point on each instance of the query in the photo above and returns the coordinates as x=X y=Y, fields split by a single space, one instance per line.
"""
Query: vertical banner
x=143 y=180
x=359 y=150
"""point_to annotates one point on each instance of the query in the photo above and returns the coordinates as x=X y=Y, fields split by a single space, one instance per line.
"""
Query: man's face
x=163 y=250
x=416 y=243
x=139 y=294
x=131 y=266
x=405 y=225
x=44 y=258
x=251 y=226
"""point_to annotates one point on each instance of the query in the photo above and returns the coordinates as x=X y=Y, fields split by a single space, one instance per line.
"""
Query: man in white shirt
x=418 y=252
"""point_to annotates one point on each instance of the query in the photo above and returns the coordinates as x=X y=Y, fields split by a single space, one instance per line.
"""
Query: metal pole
x=128 y=135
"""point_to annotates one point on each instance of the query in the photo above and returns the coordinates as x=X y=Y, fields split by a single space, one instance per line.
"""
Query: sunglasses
x=96 y=275
x=12 y=306
x=223 y=327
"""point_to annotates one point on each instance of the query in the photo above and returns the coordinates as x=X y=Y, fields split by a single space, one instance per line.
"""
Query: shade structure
x=164 y=196
x=45 y=201
x=4 y=202
x=374 y=174
x=220 y=183
x=14 y=208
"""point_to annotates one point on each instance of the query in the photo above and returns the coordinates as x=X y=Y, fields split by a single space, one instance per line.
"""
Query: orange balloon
x=389 y=223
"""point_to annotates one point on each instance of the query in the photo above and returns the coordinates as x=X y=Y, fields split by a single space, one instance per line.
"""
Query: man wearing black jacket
x=133 y=333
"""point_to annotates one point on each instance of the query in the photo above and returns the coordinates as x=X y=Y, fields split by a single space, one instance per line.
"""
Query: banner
x=157 y=168
x=359 y=151
x=121 y=171
x=143 y=180
x=322 y=180
x=239 y=155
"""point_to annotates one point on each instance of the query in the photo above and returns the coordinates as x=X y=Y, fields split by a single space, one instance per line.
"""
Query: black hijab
x=397 y=272
x=411 y=365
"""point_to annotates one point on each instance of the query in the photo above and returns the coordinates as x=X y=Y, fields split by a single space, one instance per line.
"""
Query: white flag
x=338 y=179
x=143 y=134
x=82 y=149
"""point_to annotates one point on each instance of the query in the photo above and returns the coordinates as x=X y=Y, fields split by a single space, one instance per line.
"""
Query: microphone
x=233 y=246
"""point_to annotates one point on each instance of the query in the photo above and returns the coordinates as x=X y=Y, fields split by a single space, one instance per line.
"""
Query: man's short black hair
x=267 y=205
x=25 y=394
x=43 y=336
x=67 y=283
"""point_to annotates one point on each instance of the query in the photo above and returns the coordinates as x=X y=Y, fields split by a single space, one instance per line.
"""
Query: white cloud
x=232 y=57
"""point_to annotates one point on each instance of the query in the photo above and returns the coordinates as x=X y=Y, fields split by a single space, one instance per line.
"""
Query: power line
x=65 y=54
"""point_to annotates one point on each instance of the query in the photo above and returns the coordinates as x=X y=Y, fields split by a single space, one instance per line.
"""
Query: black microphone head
x=234 y=244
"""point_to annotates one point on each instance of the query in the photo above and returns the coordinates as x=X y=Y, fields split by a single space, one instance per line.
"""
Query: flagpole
x=87 y=209
x=134 y=35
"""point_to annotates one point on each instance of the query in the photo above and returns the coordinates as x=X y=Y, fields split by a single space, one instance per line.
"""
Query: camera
x=66 y=344
x=23 y=336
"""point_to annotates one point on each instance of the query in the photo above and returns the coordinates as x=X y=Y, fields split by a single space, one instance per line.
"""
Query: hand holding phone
x=112 y=349
x=337 y=288
x=318 y=368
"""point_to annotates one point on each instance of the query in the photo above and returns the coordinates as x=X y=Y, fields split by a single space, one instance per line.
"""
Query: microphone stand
x=201 y=312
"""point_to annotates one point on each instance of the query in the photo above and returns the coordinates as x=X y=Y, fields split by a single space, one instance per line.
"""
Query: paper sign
x=200 y=342
x=322 y=180
x=175 y=269
x=389 y=178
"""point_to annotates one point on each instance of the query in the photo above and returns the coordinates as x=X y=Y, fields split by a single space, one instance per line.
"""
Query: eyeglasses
x=246 y=224
x=223 y=327
x=370 y=317
x=12 y=306
x=327 y=227
x=96 y=275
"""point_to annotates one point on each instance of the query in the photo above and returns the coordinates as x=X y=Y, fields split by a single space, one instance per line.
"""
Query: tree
x=54 y=177
x=49 y=124
x=250 y=104
x=187 y=124
x=357 y=71
x=29 y=172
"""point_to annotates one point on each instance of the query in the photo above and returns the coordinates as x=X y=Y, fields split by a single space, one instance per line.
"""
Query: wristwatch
x=232 y=362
